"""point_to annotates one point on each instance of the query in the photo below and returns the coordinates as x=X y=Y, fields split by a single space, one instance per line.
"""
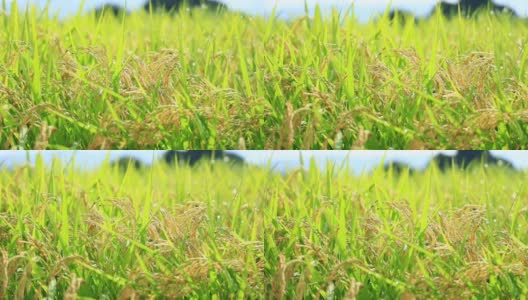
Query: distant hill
x=469 y=7
x=175 y=5
x=463 y=159
x=190 y=158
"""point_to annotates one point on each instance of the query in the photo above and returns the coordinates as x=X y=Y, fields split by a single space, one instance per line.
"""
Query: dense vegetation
x=454 y=235
x=221 y=233
x=228 y=81
x=102 y=234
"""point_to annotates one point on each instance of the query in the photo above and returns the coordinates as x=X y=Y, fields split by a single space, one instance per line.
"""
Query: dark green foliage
x=469 y=7
x=462 y=160
x=126 y=162
x=192 y=157
x=402 y=16
x=175 y=5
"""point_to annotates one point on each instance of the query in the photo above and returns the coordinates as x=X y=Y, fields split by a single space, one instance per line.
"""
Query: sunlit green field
x=380 y=236
x=228 y=81
x=218 y=233
x=103 y=234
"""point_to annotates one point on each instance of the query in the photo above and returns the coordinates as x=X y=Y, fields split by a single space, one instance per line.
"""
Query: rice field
x=106 y=234
x=230 y=81
x=217 y=233
x=458 y=235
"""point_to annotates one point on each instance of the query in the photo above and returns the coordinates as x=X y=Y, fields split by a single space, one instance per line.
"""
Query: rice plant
x=388 y=235
x=171 y=233
x=202 y=80
x=250 y=233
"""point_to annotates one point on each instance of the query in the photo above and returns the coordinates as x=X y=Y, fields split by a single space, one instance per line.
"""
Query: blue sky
x=364 y=8
x=281 y=160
